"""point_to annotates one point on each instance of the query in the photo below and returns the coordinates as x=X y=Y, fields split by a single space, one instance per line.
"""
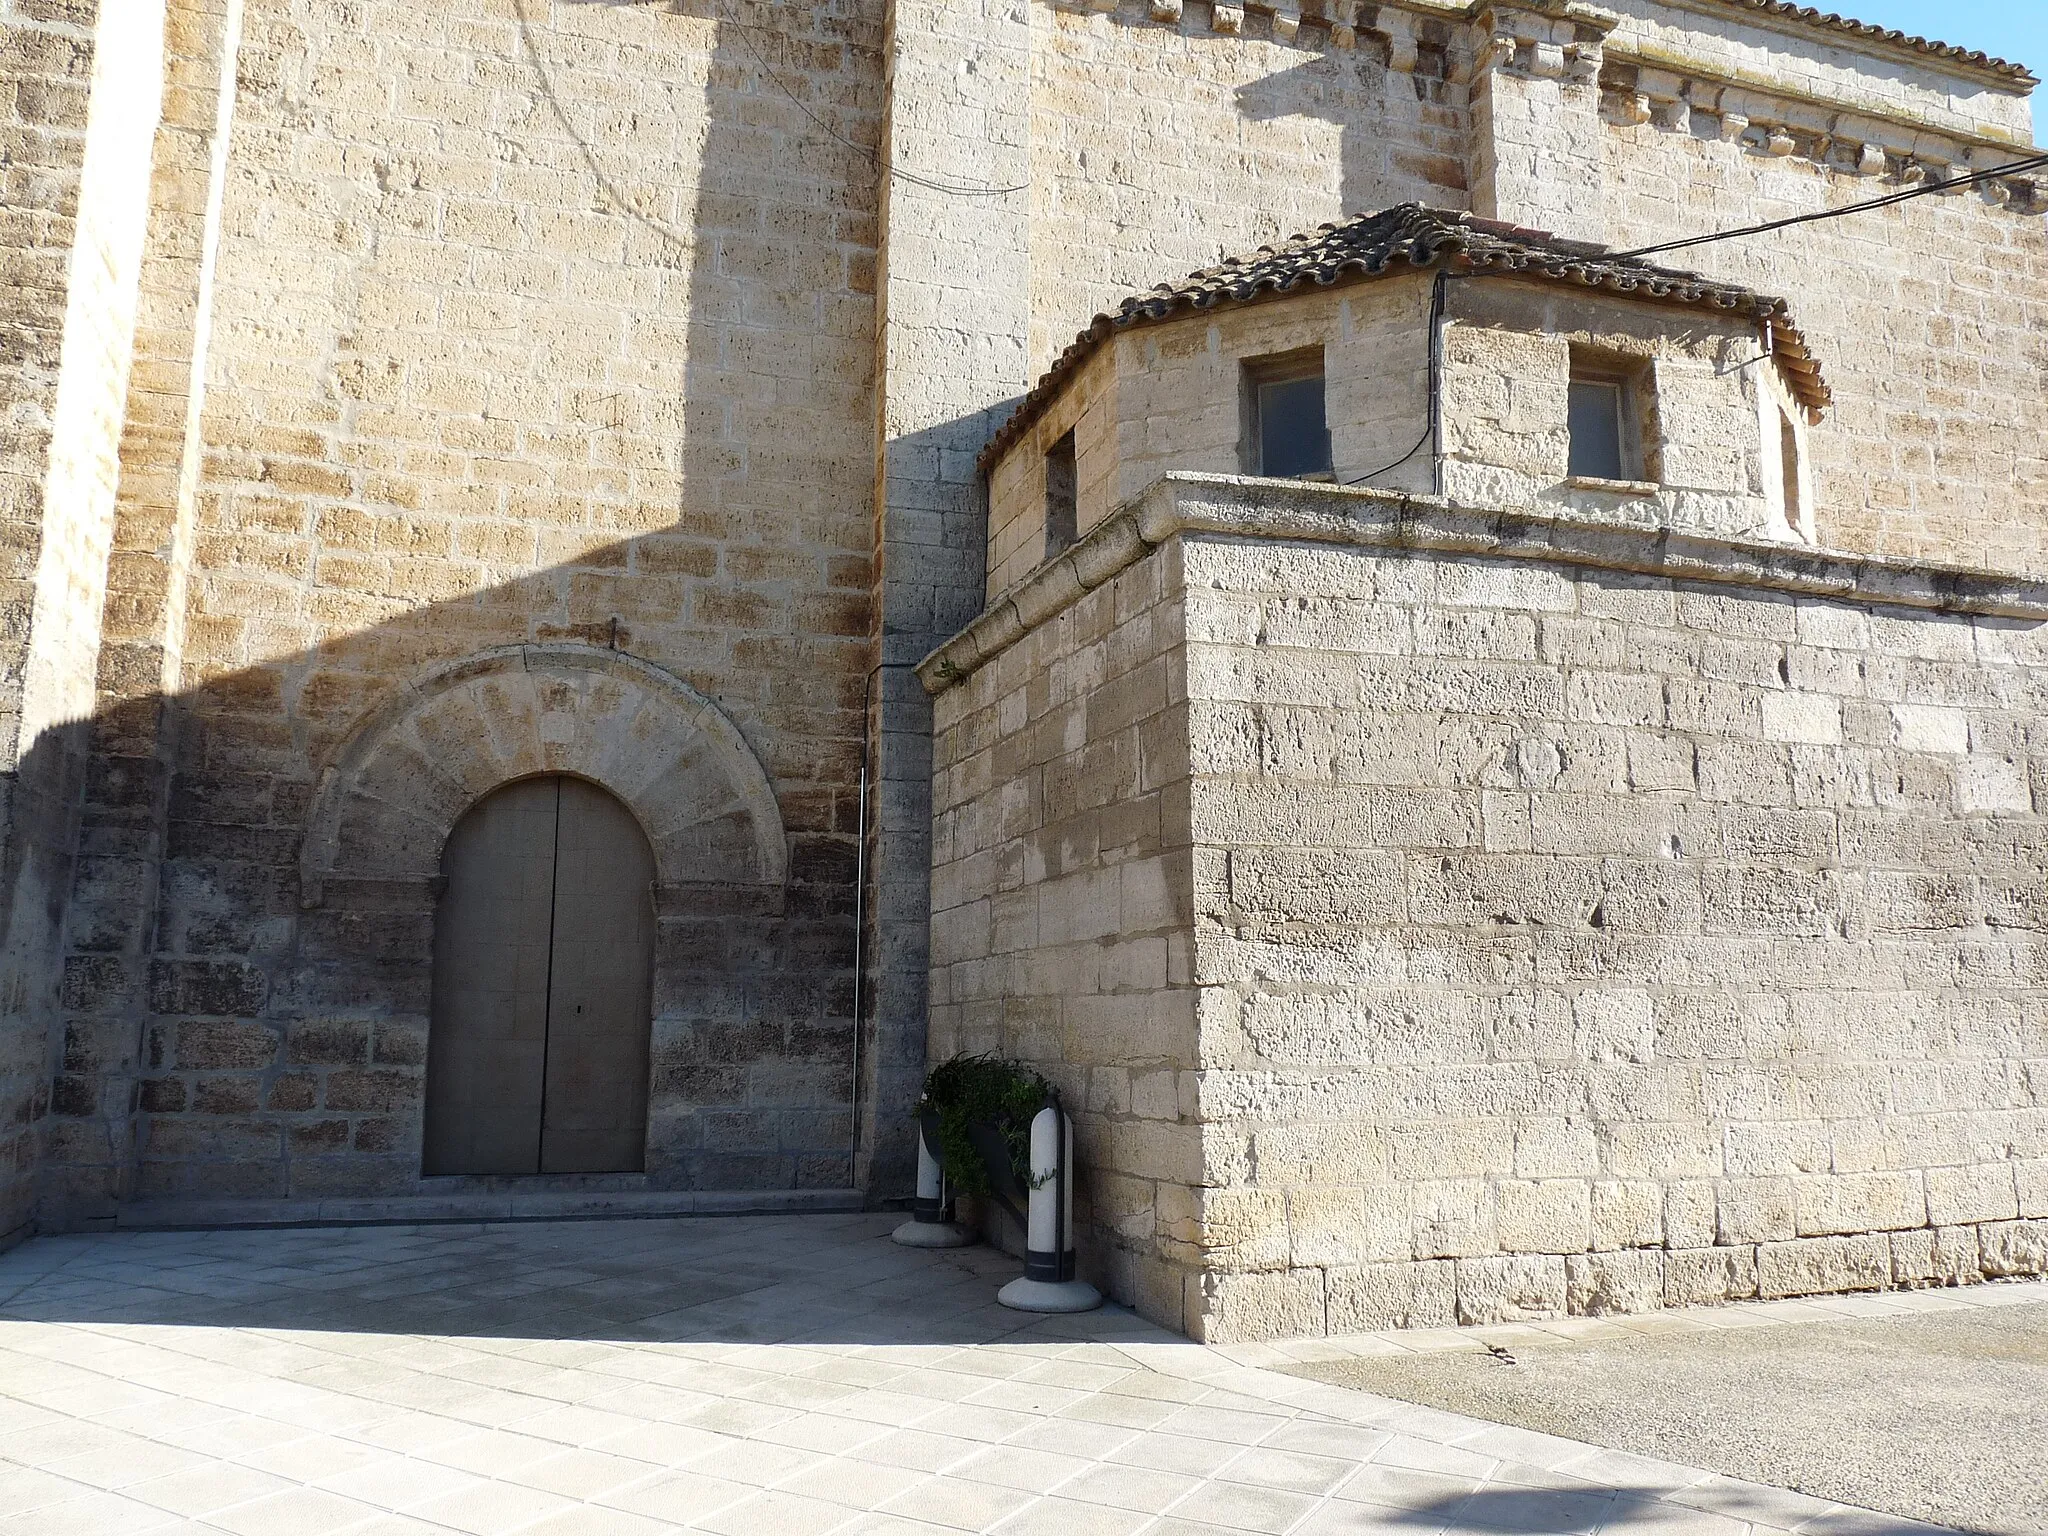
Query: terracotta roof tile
x=1412 y=238
x=1815 y=17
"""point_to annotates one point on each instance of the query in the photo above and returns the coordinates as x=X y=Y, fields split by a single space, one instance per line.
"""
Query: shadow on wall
x=221 y=1031
x=1391 y=151
x=279 y=1008
x=38 y=831
x=1371 y=166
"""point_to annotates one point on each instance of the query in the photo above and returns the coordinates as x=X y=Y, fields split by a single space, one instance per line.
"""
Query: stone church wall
x=535 y=324
x=1160 y=146
x=82 y=87
x=1556 y=938
x=542 y=327
x=1061 y=887
x=1928 y=318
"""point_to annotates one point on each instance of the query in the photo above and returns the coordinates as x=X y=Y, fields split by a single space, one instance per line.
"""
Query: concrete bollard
x=1048 y=1283
x=931 y=1223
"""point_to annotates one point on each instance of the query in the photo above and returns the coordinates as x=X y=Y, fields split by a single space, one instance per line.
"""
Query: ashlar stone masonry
x=1436 y=914
x=402 y=402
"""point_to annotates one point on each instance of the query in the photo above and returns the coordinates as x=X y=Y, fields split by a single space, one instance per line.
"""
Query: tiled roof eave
x=1417 y=240
x=1973 y=59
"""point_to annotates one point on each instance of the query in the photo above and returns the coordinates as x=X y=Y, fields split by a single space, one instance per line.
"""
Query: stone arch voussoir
x=386 y=804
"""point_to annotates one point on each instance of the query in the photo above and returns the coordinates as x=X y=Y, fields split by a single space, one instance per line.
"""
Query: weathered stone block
x=207 y=987
x=292 y=1091
x=1555 y=1148
x=1936 y=1256
x=1242 y=1308
x=2032 y=1179
x=1601 y=1284
x=203 y=1046
x=1689 y=1214
x=1373 y=1297
x=2014 y=1248
x=160 y=1095
x=1754 y=1211
x=1816 y=1266
x=399 y=1045
x=1985 y=1192
x=1701 y=1276
x=237 y=1095
x=1627 y=1214
x=374 y=1091
x=1509 y=1288
x=324 y=1043
x=1859 y=1202
x=1542 y=1217
x=1338 y=1226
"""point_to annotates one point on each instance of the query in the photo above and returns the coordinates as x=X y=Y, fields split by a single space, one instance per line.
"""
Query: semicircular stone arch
x=385 y=806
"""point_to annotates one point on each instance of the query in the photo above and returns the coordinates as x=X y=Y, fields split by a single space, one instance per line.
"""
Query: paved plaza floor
x=1932 y=1404
x=757 y=1376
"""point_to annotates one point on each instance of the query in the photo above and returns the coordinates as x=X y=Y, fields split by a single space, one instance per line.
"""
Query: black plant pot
x=1004 y=1186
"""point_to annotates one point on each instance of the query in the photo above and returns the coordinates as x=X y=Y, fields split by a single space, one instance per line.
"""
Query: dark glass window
x=1062 y=509
x=1599 y=446
x=1293 y=435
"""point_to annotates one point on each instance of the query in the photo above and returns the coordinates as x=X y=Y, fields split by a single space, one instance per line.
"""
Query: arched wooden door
x=543 y=980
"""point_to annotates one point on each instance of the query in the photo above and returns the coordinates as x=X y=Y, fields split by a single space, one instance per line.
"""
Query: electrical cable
x=1438 y=303
x=950 y=189
x=1953 y=184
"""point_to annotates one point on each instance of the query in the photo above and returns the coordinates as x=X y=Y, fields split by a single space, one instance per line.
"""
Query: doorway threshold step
x=489 y=1205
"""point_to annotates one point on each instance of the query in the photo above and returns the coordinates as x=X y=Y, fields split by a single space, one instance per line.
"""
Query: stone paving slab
x=784 y=1375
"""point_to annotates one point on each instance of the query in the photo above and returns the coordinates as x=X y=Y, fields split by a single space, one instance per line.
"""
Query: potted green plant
x=975 y=1115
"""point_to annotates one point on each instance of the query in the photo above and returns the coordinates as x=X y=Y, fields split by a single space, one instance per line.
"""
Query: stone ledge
x=1242 y=507
x=492 y=1205
x=1508 y=1289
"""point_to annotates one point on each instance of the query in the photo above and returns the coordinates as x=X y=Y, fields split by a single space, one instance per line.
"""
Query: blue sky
x=2011 y=29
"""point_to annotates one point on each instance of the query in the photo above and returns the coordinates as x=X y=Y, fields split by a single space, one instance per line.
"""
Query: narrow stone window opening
x=1788 y=461
x=1062 y=496
x=1287 y=432
x=1610 y=404
x=1596 y=431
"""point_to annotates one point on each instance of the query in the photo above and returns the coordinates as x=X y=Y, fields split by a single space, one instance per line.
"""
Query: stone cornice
x=1885 y=42
x=1234 y=506
x=1339 y=19
x=1905 y=132
x=1580 y=37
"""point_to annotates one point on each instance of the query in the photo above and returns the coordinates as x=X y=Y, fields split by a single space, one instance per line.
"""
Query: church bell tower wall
x=532 y=324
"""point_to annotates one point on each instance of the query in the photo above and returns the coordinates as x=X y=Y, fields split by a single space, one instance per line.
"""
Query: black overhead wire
x=1437 y=304
x=933 y=184
x=1929 y=189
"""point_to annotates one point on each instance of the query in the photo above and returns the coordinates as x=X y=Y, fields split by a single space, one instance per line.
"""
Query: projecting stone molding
x=385 y=806
x=1578 y=44
x=1780 y=126
x=1305 y=23
x=1243 y=507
